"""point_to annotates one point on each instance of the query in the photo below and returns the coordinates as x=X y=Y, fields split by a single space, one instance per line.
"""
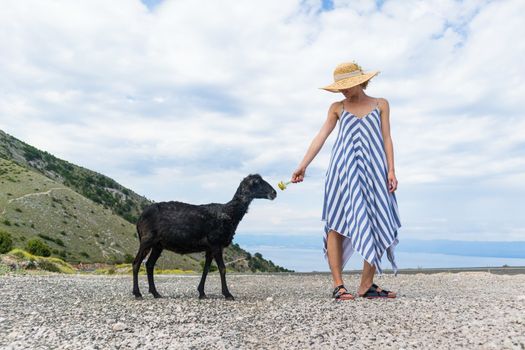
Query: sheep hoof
x=229 y=297
x=203 y=296
x=157 y=295
x=138 y=297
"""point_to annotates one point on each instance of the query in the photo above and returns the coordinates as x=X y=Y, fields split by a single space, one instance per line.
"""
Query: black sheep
x=186 y=228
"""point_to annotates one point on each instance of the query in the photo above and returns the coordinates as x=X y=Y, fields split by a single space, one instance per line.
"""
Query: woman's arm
x=317 y=142
x=389 y=147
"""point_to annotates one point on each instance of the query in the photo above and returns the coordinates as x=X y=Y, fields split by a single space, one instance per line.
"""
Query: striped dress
x=357 y=203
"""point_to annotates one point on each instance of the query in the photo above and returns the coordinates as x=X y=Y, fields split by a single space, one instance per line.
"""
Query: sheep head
x=254 y=186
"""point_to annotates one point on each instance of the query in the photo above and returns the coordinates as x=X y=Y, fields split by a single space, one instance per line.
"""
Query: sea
x=305 y=253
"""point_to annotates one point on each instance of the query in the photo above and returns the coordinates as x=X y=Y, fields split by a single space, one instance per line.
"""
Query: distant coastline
x=304 y=253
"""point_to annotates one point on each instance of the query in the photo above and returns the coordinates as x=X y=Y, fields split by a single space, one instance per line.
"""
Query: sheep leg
x=150 y=265
x=222 y=271
x=143 y=251
x=205 y=270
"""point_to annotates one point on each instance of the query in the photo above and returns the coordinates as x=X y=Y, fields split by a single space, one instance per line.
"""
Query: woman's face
x=351 y=91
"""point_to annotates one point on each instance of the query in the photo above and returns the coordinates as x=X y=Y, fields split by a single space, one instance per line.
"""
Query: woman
x=360 y=207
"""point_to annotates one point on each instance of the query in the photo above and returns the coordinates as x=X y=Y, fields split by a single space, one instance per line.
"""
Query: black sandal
x=373 y=293
x=338 y=295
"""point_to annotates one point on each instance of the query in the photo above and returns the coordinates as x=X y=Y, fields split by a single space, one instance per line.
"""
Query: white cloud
x=183 y=101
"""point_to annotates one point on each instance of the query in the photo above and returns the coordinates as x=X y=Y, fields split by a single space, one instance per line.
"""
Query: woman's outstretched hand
x=392 y=181
x=298 y=175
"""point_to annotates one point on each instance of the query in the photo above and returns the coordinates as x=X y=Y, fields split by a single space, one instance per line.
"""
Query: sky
x=180 y=100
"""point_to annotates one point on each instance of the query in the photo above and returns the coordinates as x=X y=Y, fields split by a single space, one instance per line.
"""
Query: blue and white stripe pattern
x=357 y=203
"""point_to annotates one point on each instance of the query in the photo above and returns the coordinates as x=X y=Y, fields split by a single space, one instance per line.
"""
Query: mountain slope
x=82 y=215
x=75 y=228
x=97 y=187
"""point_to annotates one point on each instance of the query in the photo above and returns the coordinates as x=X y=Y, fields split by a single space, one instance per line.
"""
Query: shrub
x=6 y=242
x=46 y=237
x=37 y=247
x=22 y=254
x=128 y=258
x=51 y=239
x=62 y=266
x=213 y=267
x=43 y=263
x=7 y=222
x=48 y=266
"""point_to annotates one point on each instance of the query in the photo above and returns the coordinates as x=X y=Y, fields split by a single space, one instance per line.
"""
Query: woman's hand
x=298 y=175
x=392 y=182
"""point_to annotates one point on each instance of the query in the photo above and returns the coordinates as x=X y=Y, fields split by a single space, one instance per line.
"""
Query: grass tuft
x=40 y=262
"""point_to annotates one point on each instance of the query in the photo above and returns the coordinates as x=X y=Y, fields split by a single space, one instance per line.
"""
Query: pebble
x=119 y=326
x=433 y=311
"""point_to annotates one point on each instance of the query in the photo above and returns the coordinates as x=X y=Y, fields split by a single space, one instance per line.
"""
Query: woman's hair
x=365 y=84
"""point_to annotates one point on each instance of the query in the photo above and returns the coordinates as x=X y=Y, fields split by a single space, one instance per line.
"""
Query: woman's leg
x=334 y=247
x=367 y=278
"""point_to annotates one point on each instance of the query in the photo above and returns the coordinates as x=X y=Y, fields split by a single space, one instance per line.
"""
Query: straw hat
x=347 y=75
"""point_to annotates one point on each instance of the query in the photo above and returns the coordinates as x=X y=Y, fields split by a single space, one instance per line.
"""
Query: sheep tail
x=142 y=222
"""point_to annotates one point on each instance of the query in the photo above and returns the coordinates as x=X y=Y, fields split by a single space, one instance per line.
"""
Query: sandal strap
x=382 y=289
x=382 y=293
x=373 y=292
x=338 y=295
x=337 y=291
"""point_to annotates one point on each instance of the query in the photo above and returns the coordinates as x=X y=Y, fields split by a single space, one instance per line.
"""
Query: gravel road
x=473 y=310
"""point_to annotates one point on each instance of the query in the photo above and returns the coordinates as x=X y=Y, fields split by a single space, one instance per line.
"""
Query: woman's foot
x=374 y=291
x=341 y=293
x=379 y=289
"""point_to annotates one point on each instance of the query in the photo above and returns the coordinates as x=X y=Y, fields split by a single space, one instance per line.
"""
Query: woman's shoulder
x=336 y=105
x=382 y=102
x=336 y=108
x=383 y=105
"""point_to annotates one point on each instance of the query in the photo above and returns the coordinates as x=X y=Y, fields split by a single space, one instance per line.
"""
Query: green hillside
x=75 y=228
x=97 y=187
x=81 y=215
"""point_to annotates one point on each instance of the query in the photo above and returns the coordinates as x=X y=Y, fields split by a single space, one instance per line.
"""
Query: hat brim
x=350 y=82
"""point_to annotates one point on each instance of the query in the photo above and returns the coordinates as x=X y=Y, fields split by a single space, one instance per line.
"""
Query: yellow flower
x=283 y=185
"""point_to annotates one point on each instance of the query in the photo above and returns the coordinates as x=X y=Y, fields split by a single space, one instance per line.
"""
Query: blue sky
x=179 y=103
x=151 y=4
x=326 y=5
